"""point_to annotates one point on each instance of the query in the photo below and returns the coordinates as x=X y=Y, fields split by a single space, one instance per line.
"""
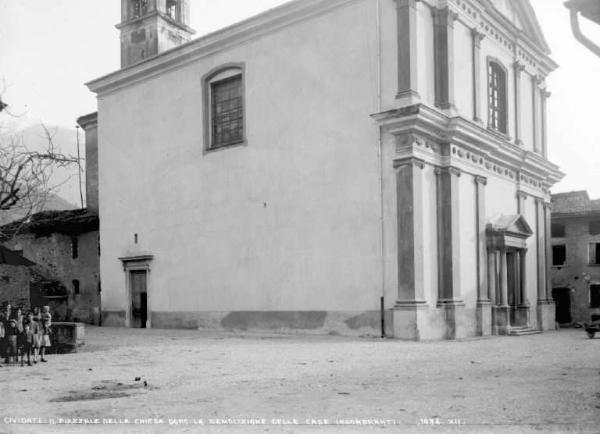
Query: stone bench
x=67 y=337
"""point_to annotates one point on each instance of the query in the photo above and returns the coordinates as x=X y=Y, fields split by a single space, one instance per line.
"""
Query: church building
x=328 y=166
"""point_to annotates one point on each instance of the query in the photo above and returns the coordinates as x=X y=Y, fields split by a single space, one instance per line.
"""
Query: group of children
x=24 y=335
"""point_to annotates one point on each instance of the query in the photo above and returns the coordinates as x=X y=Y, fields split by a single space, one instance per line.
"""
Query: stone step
x=523 y=331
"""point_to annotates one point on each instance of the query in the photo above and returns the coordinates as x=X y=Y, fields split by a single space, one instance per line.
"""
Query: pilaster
x=535 y=81
x=521 y=198
x=477 y=37
x=548 y=240
x=545 y=96
x=545 y=305
x=484 y=305
x=501 y=311
x=443 y=48
x=411 y=249
x=407 y=52
x=518 y=68
x=448 y=199
x=540 y=232
x=411 y=317
x=448 y=234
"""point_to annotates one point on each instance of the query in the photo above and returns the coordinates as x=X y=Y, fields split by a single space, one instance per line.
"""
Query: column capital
x=411 y=161
x=548 y=206
x=518 y=67
x=546 y=94
x=522 y=195
x=538 y=79
x=481 y=180
x=539 y=201
x=478 y=36
x=406 y=3
x=450 y=170
x=444 y=16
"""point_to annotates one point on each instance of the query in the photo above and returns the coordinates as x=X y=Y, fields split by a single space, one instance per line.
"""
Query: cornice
x=257 y=26
x=427 y=134
x=575 y=215
x=88 y=120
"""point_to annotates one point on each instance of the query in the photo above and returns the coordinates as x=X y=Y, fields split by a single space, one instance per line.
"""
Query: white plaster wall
x=463 y=69
x=290 y=222
x=468 y=241
x=501 y=198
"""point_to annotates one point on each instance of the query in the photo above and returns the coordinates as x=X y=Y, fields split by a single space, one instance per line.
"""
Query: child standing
x=37 y=338
x=11 y=335
x=46 y=323
x=1 y=337
x=29 y=338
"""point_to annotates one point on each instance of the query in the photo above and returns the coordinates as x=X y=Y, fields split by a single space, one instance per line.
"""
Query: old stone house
x=65 y=247
x=328 y=166
x=575 y=256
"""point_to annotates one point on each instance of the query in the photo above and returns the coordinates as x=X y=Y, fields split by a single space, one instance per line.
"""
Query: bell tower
x=149 y=27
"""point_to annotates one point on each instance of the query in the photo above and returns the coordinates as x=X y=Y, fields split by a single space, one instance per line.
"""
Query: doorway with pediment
x=507 y=265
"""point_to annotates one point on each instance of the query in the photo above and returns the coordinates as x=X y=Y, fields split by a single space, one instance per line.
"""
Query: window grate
x=497 y=98
x=227 y=112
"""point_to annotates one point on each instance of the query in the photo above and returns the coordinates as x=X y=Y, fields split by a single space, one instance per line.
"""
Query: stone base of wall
x=484 y=318
x=366 y=323
x=425 y=323
x=111 y=318
x=501 y=320
x=546 y=315
x=417 y=322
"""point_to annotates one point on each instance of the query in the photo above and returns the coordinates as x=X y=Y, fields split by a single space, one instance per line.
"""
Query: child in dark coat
x=11 y=335
x=29 y=338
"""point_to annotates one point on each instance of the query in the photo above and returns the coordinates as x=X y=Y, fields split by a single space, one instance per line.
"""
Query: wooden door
x=139 y=299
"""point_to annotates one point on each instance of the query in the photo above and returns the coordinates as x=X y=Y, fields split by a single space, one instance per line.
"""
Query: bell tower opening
x=173 y=10
x=149 y=27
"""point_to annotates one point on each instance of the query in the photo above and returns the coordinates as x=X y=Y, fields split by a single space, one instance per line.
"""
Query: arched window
x=224 y=107
x=497 y=97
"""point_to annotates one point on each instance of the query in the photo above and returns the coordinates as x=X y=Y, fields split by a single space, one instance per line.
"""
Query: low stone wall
x=67 y=337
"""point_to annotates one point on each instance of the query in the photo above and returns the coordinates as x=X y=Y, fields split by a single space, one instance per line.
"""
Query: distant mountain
x=53 y=202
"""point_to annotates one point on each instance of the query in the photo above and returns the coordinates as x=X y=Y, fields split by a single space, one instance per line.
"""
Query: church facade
x=328 y=166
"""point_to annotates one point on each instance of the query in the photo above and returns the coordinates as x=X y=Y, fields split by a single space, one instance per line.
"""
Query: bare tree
x=26 y=176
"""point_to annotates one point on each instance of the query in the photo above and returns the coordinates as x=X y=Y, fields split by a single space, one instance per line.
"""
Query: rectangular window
x=74 y=247
x=227 y=112
x=594 y=254
x=75 y=286
x=558 y=230
x=594 y=227
x=595 y=296
x=559 y=255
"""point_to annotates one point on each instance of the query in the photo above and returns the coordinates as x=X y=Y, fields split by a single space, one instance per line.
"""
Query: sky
x=50 y=48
